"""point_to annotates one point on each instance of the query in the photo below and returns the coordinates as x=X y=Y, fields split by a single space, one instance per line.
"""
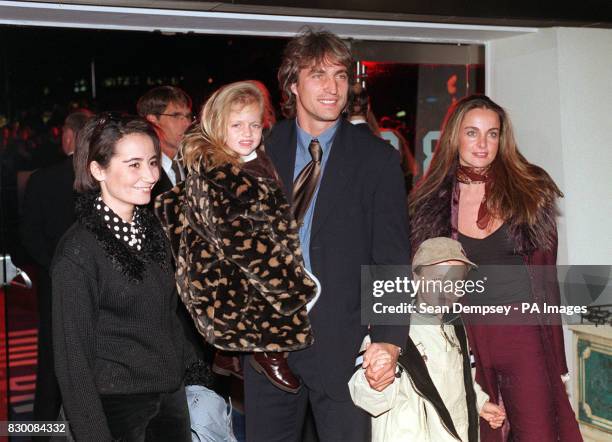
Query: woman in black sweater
x=118 y=344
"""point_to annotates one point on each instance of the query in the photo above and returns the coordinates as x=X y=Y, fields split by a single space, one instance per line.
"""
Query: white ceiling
x=207 y=22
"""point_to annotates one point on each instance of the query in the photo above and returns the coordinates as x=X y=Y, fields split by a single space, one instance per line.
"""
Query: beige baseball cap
x=437 y=250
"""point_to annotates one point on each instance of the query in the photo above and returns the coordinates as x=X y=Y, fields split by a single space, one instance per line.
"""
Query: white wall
x=585 y=82
x=557 y=86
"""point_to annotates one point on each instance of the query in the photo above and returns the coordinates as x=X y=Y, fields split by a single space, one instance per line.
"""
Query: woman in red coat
x=481 y=191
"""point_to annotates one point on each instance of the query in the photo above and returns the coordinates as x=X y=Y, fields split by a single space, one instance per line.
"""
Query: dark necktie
x=306 y=182
x=178 y=177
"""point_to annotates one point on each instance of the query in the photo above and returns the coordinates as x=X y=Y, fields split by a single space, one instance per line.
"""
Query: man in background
x=48 y=211
x=168 y=108
x=359 y=112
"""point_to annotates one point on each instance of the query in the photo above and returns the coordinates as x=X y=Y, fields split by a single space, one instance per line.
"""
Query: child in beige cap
x=434 y=397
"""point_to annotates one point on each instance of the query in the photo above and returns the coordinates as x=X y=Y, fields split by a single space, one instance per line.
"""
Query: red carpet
x=22 y=318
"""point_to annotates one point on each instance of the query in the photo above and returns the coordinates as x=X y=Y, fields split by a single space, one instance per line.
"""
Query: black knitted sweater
x=115 y=328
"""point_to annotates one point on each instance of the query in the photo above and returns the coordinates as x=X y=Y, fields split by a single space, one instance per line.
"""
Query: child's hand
x=493 y=414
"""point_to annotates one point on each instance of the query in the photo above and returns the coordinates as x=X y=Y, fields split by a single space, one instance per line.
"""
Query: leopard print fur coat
x=239 y=266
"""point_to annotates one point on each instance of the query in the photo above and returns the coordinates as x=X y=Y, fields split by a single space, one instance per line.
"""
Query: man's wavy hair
x=307 y=49
x=156 y=100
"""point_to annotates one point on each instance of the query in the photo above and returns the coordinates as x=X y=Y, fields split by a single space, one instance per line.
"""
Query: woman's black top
x=507 y=278
x=115 y=327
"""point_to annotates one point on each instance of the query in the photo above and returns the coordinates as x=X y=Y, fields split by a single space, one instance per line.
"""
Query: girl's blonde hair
x=205 y=143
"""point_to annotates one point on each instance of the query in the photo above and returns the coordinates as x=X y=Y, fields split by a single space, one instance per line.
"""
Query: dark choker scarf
x=478 y=175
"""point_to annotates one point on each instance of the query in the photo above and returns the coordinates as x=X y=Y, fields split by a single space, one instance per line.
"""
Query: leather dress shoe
x=274 y=366
x=225 y=364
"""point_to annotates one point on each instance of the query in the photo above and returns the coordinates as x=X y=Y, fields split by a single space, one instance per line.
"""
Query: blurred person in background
x=168 y=108
x=48 y=211
x=359 y=111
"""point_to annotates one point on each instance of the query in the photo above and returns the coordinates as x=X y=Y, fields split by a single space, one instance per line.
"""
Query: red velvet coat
x=438 y=216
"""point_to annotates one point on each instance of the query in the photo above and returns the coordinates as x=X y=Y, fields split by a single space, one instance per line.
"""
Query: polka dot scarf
x=130 y=233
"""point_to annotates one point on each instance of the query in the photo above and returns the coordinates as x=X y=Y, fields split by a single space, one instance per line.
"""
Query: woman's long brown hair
x=520 y=189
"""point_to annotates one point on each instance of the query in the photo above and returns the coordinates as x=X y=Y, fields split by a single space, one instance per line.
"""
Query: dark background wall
x=40 y=67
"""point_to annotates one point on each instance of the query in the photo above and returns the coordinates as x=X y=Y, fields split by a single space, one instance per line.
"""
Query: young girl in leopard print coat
x=239 y=267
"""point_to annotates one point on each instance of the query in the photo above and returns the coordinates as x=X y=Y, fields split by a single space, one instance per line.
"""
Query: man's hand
x=379 y=362
x=493 y=414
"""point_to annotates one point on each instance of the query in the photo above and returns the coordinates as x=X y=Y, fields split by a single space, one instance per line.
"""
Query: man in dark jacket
x=347 y=193
x=48 y=212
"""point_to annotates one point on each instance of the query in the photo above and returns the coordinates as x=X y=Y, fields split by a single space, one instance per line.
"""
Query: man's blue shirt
x=302 y=158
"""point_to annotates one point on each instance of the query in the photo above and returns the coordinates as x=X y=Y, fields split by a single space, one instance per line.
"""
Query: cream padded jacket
x=399 y=413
